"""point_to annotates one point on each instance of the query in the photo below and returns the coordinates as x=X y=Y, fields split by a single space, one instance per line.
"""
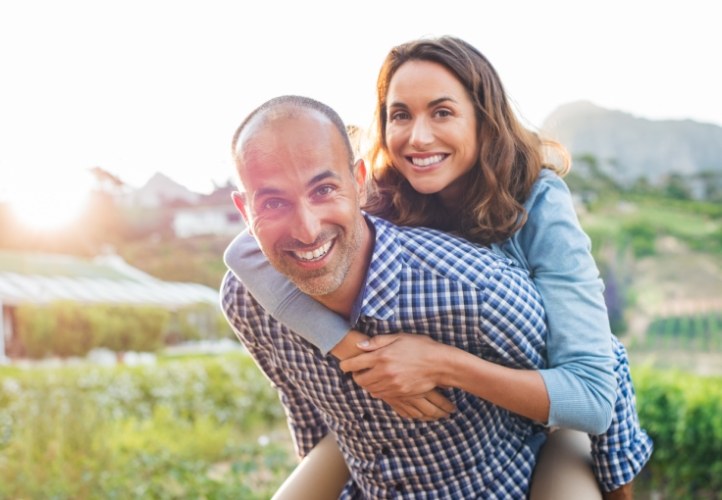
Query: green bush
x=72 y=329
x=683 y=415
x=132 y=328
x=197 y=322
x=178 y=429
x=190 y=428
x=641 y=236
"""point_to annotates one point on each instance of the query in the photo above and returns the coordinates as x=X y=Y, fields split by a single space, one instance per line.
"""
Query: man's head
x=300 y=195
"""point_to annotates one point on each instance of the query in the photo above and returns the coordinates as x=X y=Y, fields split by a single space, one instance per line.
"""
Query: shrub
x=197 y=322
x=179 y=429
x=190 y=427
x=681 y=412
x=73 y=329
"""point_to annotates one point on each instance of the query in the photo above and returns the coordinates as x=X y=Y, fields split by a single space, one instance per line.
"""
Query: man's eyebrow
x=268 y=191
x=322 y=177
x=326 y=174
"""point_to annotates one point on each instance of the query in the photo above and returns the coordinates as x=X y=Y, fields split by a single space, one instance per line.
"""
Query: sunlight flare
x=53 y=205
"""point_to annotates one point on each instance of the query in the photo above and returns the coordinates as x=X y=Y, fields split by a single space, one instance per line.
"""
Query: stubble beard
x=325 y=281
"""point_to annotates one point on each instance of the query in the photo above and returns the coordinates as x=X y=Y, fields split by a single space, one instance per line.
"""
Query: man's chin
x=316 y=283
x=316 y=287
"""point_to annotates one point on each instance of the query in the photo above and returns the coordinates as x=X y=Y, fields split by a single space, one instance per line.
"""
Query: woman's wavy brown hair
x=510 y=156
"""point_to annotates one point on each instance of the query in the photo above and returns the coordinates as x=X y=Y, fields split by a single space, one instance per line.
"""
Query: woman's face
x=431 y=129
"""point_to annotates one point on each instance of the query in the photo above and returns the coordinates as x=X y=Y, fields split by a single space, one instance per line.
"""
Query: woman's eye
x=443 y=113
x=399 y=115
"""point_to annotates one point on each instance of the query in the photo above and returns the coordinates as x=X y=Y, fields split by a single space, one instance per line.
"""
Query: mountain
x=629 y=148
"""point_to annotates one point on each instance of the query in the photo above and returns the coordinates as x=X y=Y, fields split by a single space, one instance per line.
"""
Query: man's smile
x=313 y=255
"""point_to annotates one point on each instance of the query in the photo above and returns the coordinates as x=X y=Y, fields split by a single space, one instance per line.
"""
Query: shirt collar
x=380 y=294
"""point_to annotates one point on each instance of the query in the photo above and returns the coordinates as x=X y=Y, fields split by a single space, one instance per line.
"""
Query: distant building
x=207 y=220
x=36 y=279
x=213 y=214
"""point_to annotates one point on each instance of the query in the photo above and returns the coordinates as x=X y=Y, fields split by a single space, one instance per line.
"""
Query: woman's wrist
x=347 y=348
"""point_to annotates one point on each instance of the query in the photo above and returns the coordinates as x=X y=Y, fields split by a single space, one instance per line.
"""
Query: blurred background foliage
x=212 y=427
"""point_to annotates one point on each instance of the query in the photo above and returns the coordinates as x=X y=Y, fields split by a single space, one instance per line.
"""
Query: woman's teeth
x=425 y=162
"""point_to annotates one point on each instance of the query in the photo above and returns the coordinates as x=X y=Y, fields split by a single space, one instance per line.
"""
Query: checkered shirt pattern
x=434 y=284
x=620 y=454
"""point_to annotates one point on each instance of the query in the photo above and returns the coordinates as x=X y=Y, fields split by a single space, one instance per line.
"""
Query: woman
x=449 y=153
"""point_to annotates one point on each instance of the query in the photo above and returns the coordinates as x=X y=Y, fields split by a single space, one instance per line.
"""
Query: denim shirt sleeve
x=557 y=252
x=299 y=312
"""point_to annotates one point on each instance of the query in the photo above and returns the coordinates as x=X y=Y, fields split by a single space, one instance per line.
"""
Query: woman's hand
x=430 y=406
x=403 y=366
x=415 y=404
x=398 y=366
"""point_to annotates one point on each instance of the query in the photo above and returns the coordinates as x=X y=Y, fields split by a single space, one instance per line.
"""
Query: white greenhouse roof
x=43 y=278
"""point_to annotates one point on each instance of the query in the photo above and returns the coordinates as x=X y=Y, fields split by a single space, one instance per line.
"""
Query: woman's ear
x=360 y=174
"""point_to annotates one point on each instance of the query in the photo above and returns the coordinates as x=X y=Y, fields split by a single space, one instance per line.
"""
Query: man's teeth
x=314 y=254
x=425 y=162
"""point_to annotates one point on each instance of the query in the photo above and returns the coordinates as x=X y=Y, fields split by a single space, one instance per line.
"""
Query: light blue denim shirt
x=580 y=380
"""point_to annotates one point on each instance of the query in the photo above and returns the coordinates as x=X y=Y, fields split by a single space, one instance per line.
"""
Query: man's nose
x=306 y=224
x=421 y=133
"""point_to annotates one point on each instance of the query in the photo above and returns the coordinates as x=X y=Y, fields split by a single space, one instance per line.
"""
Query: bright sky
x=140 y=86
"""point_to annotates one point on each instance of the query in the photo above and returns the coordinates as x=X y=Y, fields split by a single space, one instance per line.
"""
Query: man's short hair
x=289 y=103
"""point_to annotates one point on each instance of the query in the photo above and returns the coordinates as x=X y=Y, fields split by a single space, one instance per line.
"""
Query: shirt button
x=399 y=487
x=385 y=451
x=366 y=416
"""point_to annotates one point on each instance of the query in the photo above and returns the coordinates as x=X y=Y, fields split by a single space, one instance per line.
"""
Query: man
x=481 y=320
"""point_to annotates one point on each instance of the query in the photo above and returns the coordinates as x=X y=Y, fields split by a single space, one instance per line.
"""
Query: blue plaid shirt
x=456 y=293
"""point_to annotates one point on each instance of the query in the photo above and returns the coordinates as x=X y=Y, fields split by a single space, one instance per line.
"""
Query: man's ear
x=239 y=200
x=360 y=174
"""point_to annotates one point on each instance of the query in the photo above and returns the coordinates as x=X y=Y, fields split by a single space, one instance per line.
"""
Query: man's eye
x=324 y=190
x=273 y=204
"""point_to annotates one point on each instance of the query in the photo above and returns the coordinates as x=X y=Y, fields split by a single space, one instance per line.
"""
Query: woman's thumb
x=376 y=342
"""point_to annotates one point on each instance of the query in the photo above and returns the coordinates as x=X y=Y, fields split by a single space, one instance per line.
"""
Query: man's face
x=302 y=200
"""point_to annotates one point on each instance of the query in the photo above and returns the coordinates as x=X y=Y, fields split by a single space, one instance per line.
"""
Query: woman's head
x=448 y=150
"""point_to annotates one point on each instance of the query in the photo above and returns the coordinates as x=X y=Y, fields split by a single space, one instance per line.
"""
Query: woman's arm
x=314 y=322
x=577 y=390
x=406 y=364
x=282 y=299
x=580 y=363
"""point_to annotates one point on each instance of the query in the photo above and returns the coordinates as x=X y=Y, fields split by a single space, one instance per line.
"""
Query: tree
x=676 y=187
